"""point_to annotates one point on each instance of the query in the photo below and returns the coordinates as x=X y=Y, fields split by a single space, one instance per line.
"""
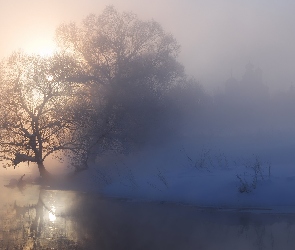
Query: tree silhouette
x=111 y=86
x=130 y=66
x=36 y=118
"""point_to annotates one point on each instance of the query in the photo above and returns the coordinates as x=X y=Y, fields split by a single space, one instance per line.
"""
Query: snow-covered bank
x=208 y=180
x=220 y=188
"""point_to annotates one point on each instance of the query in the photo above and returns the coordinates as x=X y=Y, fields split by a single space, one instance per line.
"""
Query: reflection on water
x=52 y=216
x=36 y=218
x=38 y=222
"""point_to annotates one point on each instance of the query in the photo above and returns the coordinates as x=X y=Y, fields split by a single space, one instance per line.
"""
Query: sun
x=41 y=47
x=45 y=51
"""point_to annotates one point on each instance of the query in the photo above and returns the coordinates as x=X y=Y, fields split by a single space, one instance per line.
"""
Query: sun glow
x=46 y=51
x=37 y=97
x=43 y=48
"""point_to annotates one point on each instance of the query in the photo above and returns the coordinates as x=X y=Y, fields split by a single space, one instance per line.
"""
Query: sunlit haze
x=40 y=47
x=217 y=38
x=184 y=107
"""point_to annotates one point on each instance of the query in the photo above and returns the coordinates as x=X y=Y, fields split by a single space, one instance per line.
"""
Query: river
x=40 y=218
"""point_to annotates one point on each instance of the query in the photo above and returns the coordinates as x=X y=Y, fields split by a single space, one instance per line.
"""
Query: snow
x=216 y=189
x=206 y=179
x=169 y=176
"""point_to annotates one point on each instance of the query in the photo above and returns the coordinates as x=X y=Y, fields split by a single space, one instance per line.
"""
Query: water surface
x=40 y=218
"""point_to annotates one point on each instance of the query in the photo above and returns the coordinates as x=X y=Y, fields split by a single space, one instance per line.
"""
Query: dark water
x=36 y=218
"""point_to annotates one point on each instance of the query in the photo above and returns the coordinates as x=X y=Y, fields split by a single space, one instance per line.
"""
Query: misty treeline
x=115 y=84
x=112 y=85
x=247 y=106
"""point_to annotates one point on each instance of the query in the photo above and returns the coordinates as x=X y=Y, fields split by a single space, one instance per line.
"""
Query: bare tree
x=130 y=66
x=36 y=118
x=110 y=44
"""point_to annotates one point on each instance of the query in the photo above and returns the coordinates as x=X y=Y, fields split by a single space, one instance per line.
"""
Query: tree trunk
x=43 y=172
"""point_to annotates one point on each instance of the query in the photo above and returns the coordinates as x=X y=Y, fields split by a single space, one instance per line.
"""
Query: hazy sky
x=216 y=36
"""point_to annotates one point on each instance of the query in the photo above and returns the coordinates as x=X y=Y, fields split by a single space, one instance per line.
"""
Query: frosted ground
x=206 y=176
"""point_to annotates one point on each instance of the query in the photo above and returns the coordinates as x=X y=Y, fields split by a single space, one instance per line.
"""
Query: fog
x=239 y=53
x=217 y=38
x=212 y=127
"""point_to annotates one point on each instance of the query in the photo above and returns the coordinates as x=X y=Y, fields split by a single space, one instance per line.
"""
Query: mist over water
x=69 y=220
x=243 y=118
x=240 y=123
x=210 y=129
